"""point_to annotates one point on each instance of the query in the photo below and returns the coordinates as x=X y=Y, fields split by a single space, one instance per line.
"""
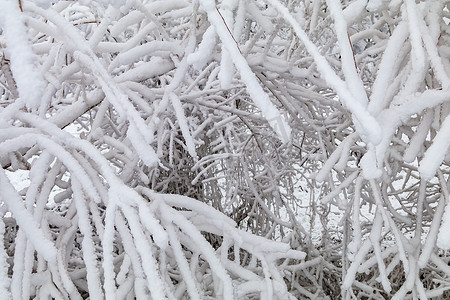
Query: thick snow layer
x=203 y=54
x=25 y=220
x=354 y=83
x=116 y=3
x=4 y=279
x=28 y=78
x=354 y=11
x=437 y=151
x=386 y=72
x=417 y=141
x=375 y=5
x=443 y=240
x=182 y=122
x=365 y=123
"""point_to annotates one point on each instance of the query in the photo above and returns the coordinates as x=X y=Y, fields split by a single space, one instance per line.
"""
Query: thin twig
x=226 y=25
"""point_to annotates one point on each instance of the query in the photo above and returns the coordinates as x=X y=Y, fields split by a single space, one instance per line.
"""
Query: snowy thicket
x=230 y=149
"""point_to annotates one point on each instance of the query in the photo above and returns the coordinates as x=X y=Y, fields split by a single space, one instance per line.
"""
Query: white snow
x=145 y=70
x=25 y=220
x=116 y=3
x=127 y=20
x=369 y=165
x=137 y=52
x=417 y=141
x=4 y=279
x=159 y=236
x=354 y=11
x=28 y=78
x=436 y=153
x=443 y=240
x=385 y=70
x=205 y=49
x=354 y=83
x=226 y=64
x=374 y=5
x=365 y=123
x=261 y=99
x=182 y=122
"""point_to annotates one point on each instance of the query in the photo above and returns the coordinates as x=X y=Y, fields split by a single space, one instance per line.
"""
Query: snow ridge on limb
x=182 y=122
x=261 y=99
x=354 y=11
x=226 y=64
x=417 y=141
x=29 y=80
x=4 y=279
x=386 y=72
x=205 y=49
x=25 y=220
x=108 y=247
x=89 y=251
x=443 y=239
x=430 y=36
x=418 y=67
x=352 y=79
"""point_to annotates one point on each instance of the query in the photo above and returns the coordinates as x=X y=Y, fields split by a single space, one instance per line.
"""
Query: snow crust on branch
x=29 y=80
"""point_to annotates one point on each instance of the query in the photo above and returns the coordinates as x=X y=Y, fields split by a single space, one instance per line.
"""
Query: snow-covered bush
x=224 y=149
